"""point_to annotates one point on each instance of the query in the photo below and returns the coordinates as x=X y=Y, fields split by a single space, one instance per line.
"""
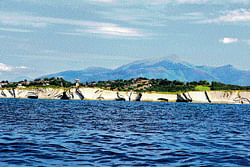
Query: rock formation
x=233 y=97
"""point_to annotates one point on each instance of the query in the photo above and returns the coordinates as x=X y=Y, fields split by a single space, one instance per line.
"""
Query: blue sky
x=43 y=36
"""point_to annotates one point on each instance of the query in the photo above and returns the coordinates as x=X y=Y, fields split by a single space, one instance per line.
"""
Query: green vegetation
x=138 y=85
x=222 y=86
x=54 y=82
x=163 y=85
x=202 y=88
x=58 y=82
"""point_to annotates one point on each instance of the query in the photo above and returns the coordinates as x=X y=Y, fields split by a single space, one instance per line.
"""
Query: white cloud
x=21 y=67
x=8 y=68
x=228 y=40
x=17 y=19
x=9 y=72
x=110 y=30
x=115 y=31
x=231 y=16
x=4 y=67
x=35 y=21
x=84 y=26
x=14 y=30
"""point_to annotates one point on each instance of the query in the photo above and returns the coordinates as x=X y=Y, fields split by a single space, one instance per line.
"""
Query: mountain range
x=167 y=67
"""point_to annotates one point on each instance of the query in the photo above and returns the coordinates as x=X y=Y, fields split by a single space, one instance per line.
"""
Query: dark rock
x=64 y=96
x=138 y=97
x=162 y=99
x=208 y=99
x=119 y=98
x=181 y=99
x=79 y=93
x=32 y=95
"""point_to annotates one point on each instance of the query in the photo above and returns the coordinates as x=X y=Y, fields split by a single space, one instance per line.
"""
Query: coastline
x=83 y=93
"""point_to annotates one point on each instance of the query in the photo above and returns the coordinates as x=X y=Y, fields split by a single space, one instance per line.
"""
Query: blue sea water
x=106 y=133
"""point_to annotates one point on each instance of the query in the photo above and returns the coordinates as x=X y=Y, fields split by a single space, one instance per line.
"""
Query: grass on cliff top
x=202 y=88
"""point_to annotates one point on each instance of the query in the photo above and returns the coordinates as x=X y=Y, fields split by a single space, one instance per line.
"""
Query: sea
x=35 y=132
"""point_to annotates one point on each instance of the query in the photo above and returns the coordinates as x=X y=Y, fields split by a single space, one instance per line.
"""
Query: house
x=3 y=83
x=20 y=86
x=77 y=82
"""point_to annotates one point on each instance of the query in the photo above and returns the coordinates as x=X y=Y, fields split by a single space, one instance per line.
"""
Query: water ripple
x=99 y=133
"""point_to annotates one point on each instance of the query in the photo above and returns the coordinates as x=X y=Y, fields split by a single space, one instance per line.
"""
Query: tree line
x=135 y=84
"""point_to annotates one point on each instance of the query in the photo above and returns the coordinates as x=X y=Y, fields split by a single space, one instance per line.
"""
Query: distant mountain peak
x=173 y=58
x=170 y=58
x=165 y=61
x=95 y=68
x=228 y=66
x=170 y=67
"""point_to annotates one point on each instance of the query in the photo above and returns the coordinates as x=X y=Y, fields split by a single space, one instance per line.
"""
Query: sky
x=39 y=37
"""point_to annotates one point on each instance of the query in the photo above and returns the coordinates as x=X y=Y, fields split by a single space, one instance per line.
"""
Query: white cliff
x=234 y=97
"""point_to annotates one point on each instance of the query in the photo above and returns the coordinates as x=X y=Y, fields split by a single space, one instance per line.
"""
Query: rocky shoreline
x=231 y=97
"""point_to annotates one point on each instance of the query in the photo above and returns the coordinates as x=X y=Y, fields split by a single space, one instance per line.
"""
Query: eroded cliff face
x=234 y=97
x=238 y=97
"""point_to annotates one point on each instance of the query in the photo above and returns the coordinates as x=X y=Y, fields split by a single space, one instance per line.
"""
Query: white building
x=77 y=82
